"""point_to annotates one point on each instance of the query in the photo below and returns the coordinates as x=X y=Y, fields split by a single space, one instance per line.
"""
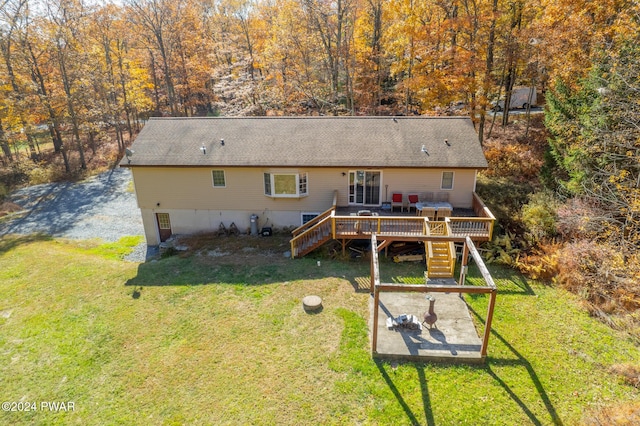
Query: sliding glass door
x=364 y=187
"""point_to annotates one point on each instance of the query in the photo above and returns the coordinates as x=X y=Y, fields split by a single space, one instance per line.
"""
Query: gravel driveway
x=102 y=207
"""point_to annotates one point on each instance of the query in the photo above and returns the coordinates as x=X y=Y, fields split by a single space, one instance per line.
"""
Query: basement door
x=364 y=187
x=164 y=226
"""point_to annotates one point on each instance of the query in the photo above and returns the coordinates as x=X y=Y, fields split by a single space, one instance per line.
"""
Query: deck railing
x=328 y=225
x=363 y=226
x=306 y=226
x=312 y=237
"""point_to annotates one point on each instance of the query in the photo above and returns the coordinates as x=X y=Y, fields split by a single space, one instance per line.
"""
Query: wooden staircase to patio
x=440 y=259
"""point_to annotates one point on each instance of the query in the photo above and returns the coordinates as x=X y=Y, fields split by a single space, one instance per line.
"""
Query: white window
x=267 y=184
x=219 y=180
x=447 y=180
x=291 y=185
x=306 y=216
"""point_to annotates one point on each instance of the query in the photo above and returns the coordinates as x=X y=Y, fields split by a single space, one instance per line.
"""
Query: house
x=191 y=174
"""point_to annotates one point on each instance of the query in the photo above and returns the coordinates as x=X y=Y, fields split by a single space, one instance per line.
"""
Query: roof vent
x=424 y=149
x=221 y=142
x=446 y=142
x=203 y=149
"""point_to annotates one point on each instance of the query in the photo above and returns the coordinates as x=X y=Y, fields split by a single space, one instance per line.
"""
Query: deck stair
x=314 y=237
x=440 y=259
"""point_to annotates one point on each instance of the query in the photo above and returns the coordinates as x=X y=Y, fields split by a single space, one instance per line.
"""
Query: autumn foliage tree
x=90 y=71
x=597 y=140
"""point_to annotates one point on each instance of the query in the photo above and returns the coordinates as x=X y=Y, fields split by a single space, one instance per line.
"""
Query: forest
x=78 y=78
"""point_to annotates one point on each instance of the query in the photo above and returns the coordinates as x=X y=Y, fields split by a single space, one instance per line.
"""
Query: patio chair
x=396 y=200
x=413 y=199
x=429 y=212
x=444 y=212
x=442 y=196
x=426 y=197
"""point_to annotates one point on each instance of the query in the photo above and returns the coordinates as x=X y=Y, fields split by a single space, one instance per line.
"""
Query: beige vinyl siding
x=190 y=188
x=417 y=181
x=195 y=205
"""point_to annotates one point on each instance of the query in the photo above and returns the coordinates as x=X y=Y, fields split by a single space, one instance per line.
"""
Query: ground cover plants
x=218 y=335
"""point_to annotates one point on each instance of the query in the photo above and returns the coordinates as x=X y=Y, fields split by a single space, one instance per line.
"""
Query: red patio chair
x=413 y=199
x=396 y=200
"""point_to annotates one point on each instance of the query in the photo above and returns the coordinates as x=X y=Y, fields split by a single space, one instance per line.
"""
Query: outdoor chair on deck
x=444 y=212
x=429 y=212
x=442 y=196
x=396 y=200
x=413 y=199
x=426 y=197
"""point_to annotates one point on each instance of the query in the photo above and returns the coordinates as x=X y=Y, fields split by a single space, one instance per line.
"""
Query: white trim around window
x=286 y=185
x=447 y=180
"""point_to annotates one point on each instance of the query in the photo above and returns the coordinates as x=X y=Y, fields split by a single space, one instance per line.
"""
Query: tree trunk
x=488 y=71
x=43 y=94
x=4 y=144
x=154 y=74
x=72 y=113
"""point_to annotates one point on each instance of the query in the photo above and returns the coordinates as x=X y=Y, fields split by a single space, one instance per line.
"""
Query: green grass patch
x=118 y=249
x=201 y=340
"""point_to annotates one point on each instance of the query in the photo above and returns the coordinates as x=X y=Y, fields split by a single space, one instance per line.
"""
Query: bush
x=512 y=160
x=539 y=217
x=607 y=279
x=541 y=263
x=580 y=219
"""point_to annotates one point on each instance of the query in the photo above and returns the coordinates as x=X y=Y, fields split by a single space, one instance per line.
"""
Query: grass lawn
x=220 y=337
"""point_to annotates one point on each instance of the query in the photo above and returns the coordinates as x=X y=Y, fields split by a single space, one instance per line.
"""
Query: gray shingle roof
x=309 y=142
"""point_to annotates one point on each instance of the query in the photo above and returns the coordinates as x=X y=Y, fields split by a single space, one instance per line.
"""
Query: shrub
x=539 y=217
x=618 y=414
x=606 y=279
x=512 y=160
x=502 y=249
x=580 y=219
x=542 y=262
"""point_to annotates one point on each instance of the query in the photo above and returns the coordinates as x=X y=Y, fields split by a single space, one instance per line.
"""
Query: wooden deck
x=388 y=228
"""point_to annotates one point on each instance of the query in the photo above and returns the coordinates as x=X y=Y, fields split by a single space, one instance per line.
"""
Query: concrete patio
x=452 y=339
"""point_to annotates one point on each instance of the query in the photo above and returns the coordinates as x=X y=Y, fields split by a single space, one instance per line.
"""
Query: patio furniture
x=396 y=200
x=442 y=196
x=426 y=196
x=444 y=212
x=429 y=212
x=413 y=199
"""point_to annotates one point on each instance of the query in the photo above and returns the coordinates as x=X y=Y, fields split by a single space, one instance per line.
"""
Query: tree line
x=79 y=68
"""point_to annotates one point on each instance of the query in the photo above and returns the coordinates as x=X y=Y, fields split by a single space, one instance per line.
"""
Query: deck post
x=333 y=224
x=464 y=262
x=375 y=283
x=375 y=271
x=487 y=324
x=376 y=308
